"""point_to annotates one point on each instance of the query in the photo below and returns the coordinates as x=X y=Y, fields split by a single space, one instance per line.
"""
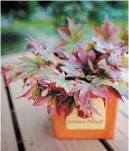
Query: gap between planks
x=14 y=119
x=8 y=138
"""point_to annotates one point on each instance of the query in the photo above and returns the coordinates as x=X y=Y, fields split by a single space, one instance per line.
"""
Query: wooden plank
x=8 y=140
x=122 y=124
x=36 y=128
x=123 y=108
x=120 y=143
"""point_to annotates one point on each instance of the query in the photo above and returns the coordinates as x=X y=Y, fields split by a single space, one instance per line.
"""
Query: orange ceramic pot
x=64 y=131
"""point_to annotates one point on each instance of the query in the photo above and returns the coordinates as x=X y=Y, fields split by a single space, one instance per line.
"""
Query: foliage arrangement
x=75 y=71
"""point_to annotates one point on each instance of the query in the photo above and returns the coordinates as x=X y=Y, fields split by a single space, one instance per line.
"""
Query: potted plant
x=79 y=80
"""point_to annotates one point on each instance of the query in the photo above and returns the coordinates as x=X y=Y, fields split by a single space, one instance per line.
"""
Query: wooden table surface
x=29 y=128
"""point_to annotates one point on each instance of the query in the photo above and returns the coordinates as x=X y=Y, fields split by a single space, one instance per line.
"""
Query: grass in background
x=43 y=30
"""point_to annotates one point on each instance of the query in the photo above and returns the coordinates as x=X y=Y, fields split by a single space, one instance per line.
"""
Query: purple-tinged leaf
x=60 y=81
x=87 y=99
x=5 y=69
x=8 y=80
x=98 y=92
x=41 y=102
x=108 y=31
x=28 y=94
x=91 y=55
x=83 y=92
x=76 y=98
x=112 y=71
x=44 y=92
x=51 y=109
x=95 y=110
x=90 y=65
x=71 y=71
x=42 y=81
x=76 y=88
x=72 y=60
x=114 y=92
x=71 y=25
x=122 y=88
x=83 y=56
x=64 y=33
x=35 y=44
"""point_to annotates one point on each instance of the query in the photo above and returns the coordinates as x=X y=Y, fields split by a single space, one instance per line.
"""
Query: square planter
x=75 y=127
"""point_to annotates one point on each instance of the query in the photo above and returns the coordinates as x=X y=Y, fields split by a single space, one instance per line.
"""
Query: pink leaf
x=87 y=98
x=8 y=80
x=114 y=92
x=76 y=98
x=91 y=55
x=83 y=93
x=90 y=65
x=42 y=102
x=71 y=25
x=107 y=31
x=44 y=92
x=64 y=33
x=51 y=110
x=99 y=93
x=35 y=44
x=76 y=88
x=72 y=60
x=105 y=25
x=6 y=69
x=107 y=93
x=83 y=56
x=27 y=94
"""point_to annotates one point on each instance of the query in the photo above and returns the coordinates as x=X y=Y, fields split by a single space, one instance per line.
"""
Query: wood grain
x=123 y=108
x=8 y=140
x=120 y=143
x=36 y=128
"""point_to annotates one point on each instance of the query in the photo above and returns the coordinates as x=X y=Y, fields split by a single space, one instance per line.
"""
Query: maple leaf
x=46 y=53
x=75 y=64
x=106 y=36
x=114 y=92
x=42 y=102
x=70 y=105
x=60 y=81
x=122 y=88
x=11 y=73
x=70 y=34
x=70 y=58
x=84 y=56
x=51 y=106
x=28 y=68
x=86 y=90
x=71 y=71
x=112 y=71
x=76 y=98
x=47 y=71
x=116 y=57
x=108 y=31
x=75 y=71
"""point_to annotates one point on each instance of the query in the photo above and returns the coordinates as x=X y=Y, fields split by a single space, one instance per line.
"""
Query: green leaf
x=60 y=81
x=122 y=88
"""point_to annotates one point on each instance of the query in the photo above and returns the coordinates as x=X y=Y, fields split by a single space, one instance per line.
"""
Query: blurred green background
x=40 y=19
